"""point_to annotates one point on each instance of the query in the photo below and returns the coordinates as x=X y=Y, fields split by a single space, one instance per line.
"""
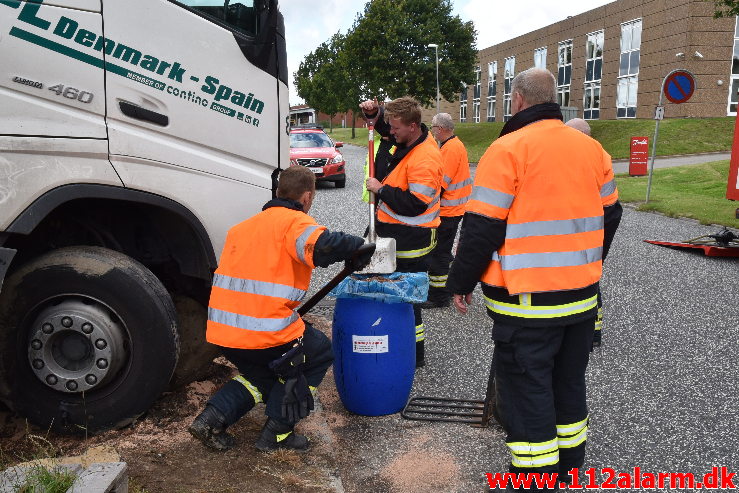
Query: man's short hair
x=294 y=182
x=405 y=108
x=579 y=124
x=536 y=86
x=443 y=120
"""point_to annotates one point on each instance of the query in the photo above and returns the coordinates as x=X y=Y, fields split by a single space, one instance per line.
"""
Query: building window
x=492 y=89
x=734 y=86
x=463 y=104
x=593 y=71
x=540 y=57
x=564 y=72
x=476 y=94
x=508 y=74
x=628 y=72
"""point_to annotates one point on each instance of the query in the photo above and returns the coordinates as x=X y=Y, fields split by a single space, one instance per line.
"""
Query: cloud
x=495 y=24
x=309 y=24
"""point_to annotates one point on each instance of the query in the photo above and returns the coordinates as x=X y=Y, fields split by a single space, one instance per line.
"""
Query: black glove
x=298 y=400
x=361 y=257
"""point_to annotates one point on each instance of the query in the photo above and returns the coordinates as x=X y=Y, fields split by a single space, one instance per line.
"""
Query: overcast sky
x=310 y=23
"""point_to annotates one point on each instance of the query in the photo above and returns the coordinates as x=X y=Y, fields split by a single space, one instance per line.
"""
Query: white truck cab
x=133 y=135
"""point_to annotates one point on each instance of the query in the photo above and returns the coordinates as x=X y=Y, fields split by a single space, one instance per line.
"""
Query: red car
x=312 y=148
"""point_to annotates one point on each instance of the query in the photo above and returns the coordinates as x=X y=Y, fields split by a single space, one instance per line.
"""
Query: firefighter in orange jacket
x=541 y=218
x=408 y=195
x=263 y=274
x=455 y=191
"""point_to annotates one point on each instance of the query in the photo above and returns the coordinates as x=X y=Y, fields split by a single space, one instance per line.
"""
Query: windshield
x=310 y=140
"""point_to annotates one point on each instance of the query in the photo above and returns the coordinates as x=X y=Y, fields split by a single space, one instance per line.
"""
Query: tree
x=388 y=45
x=326 y=81
x=726 y=8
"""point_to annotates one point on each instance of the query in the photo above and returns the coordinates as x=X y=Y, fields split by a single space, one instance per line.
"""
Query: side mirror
x=338 y=144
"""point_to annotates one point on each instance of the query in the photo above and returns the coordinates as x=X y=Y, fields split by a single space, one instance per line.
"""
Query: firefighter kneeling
x=264 y=273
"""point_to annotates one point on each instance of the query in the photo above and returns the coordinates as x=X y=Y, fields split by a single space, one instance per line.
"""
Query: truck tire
x=88 y=340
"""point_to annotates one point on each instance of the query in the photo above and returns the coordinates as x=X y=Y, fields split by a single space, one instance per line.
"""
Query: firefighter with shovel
x=263 y=274
x=408 y=195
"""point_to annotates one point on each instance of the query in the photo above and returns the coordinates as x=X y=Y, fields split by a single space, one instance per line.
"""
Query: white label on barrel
x=369 y=344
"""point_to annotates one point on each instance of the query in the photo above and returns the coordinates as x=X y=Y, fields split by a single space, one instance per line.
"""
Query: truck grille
x=312 y=162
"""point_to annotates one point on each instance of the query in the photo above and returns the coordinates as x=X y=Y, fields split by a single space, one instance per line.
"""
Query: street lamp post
x=436 y=48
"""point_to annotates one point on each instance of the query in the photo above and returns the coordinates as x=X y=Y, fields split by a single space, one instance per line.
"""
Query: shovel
x=348 y=269
x=383 y=260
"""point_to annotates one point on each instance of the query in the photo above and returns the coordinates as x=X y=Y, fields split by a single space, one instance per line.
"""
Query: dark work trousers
x=257 y=383
x=598 y=335
x=441 y=257
x=540 y=394
x=417 y=264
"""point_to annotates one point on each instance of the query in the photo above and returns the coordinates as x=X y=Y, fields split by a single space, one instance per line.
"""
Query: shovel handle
x=348 y=269
x=371 y=235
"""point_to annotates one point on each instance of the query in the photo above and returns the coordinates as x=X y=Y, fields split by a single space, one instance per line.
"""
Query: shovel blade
x=383 y=260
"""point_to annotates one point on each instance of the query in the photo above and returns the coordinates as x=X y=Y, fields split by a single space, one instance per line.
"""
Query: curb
x=98 y=477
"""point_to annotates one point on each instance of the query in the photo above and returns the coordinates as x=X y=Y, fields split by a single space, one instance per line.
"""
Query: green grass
x=696 y=191
x=39 y=478
x=676 y=135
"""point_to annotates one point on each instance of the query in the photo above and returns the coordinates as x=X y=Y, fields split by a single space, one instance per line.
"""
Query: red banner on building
x=639 y=156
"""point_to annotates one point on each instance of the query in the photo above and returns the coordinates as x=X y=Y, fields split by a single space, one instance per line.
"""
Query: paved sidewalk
x=622 y=165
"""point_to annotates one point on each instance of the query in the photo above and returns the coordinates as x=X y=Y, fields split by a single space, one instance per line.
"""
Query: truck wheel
x=88 y=340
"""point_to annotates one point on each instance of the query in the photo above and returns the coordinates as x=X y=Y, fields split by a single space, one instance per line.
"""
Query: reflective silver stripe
x=414 y=220
x=302 y=240
x=556 y=227
x=550 y=259
x=530 y=448
x=492 y=197
x=258 y=287
x=569 y=429
x=447 y=181
x=251 y=388
x=536 y=461
x=608 y=188
x=573 y=441
x=541 y=311
x=423 y=189
x=461 y=184
x=449 y=203
x=250 y=323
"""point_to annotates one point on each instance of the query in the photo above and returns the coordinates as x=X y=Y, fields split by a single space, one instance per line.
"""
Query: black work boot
x=420 y=354
x=276 y=435
x=210 y=428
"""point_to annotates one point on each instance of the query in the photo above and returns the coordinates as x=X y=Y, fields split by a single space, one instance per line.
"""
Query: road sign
x=679 y=86
x=659 y=113
x=638 y=156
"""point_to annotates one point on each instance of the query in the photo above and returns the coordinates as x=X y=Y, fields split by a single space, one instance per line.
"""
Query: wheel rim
x=76 y=345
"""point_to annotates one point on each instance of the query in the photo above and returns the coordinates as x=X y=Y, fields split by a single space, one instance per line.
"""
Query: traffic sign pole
x=678 y=85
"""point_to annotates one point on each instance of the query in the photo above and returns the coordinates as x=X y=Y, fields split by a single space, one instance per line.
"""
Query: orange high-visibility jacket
x=457 y=183
x=420 y=171
x=549 y=183
x=263 y=274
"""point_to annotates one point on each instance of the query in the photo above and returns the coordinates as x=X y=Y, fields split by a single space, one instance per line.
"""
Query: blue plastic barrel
x=375 y=350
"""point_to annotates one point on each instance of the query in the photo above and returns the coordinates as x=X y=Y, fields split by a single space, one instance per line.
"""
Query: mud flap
x=6 y=255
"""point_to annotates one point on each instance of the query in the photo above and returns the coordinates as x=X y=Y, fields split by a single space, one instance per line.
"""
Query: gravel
x=662 y=389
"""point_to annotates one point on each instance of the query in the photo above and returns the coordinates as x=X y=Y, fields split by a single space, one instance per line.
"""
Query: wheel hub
x=76 y=346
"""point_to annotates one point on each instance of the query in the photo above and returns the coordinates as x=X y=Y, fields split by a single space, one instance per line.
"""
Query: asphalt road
x=662 y=389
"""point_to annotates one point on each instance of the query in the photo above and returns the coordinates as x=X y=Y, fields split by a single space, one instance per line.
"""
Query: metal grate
x=312 y=162
x=473 y=412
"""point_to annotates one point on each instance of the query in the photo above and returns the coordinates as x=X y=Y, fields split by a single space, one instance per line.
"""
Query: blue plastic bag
x=398 y=287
